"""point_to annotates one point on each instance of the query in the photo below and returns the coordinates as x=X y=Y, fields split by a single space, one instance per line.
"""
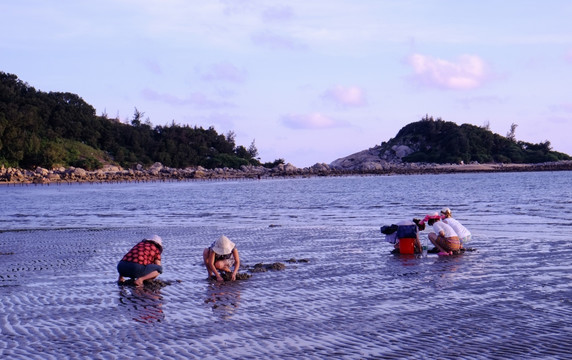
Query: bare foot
x=138 y=282
x=121 y=280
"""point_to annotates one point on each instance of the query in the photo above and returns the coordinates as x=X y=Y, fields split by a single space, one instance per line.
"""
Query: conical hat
x=156 y=239
x=223 y=246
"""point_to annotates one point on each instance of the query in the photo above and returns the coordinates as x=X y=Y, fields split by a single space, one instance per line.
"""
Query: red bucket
x=407 y=246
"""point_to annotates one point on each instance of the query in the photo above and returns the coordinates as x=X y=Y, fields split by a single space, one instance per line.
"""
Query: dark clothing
x=134 y=270
x=140 y=260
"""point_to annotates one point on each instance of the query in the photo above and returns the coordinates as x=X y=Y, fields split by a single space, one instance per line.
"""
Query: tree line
x=51 y=129
x=439 y=141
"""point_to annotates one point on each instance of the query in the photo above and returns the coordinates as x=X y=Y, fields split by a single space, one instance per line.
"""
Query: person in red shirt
x=142 y=262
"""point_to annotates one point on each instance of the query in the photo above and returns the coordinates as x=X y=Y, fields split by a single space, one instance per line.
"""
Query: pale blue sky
x=309 y=81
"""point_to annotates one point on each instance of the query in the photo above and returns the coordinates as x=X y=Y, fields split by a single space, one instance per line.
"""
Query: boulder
x=290 y=169
x=111 y=168
x=356 y=161
x=41 y=171
x=79 y=173
x=156 y=168
x=402 y=151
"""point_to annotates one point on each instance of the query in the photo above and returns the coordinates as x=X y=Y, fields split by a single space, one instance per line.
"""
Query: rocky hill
x=442 y=142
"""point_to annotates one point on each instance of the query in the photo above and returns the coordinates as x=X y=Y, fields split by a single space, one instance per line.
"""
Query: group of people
x=143 y=261
x=448 y=234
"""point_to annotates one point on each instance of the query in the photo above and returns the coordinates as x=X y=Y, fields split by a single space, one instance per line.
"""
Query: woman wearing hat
x=221 y=255
x=462 y=232
x=142 y=262
x=444 y=237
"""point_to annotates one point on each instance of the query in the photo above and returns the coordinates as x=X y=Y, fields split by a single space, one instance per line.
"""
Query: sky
x=306 y=81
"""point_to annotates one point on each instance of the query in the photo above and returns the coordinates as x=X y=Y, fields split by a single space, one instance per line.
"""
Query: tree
x=252 y=150
x=137 y=117
x=231 y=137
x=510 y=135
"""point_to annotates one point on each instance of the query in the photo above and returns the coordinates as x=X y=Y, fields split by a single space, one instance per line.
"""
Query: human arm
x=236 y=264
x=209 y=262
x=157 y=258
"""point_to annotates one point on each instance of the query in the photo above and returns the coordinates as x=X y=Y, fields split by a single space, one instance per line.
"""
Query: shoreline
x=159 y=173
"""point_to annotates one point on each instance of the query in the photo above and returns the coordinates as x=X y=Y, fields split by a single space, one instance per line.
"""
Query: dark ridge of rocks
x=258 y=268
x=364 y=164
x=153 y=285
x=261 y=267
x=226 y=276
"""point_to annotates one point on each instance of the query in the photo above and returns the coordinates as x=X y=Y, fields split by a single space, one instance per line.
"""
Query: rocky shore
x=158 y=172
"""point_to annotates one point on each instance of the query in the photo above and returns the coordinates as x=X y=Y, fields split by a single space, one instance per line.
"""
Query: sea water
x=510 y=298
x=501 y=202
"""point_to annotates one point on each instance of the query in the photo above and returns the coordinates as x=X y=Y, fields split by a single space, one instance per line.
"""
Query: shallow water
x=509 y=299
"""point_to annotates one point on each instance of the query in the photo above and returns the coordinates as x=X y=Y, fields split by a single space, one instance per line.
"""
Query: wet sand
x=351 y=299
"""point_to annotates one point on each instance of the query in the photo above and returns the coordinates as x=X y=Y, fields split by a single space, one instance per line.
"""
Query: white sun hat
x=223 y=246
x=445 y=211
x=156 y=239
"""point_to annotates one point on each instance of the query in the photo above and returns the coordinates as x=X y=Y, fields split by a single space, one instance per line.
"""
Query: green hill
x=61 y=129
x=439 y=141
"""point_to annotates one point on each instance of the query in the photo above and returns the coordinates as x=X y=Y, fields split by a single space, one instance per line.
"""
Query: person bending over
x=221 y=255
x=142 y=262
x=444 y=237
x=462 y=232
x=405 y=228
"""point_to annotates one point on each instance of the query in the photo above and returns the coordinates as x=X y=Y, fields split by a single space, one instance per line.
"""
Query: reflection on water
x=508 y=299
x=223 y=297
x=142 y=304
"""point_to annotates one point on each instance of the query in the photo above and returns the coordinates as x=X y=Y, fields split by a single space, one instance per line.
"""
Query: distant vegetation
x=61 y=129
x=438 y=141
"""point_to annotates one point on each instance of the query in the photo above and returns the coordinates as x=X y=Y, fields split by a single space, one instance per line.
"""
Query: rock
x=154 y=284
x=226 y=276
x=290 y=169
x=354 y=161
x=401 y=151
x=261 y=267
x=111 y=168
x=42 y=171
x=54 y=177
x=79 y=172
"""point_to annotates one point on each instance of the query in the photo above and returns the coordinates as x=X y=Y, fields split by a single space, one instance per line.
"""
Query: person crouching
x=221 y=255
x=142 y=262
x=444 y=237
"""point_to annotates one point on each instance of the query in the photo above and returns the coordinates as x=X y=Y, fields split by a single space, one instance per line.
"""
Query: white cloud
x=273 y=40
x=224 y=72
x=277 y=13
x=569 y=56
x=468 y=72
x=153 y=67
x=196 y=99
x=346 y=96
x=567 y=108
x=309 y=121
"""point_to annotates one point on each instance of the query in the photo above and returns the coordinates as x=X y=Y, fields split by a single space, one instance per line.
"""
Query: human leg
x=127 y=269
x=438 y=242
x=147 y=272
x=453 y=244
x=205 y=261
x=223 y=265
x=417 y=245
x=153 y=274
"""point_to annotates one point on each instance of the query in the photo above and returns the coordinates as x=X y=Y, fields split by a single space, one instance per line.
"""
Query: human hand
x=233 y=277
x=219 y=278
